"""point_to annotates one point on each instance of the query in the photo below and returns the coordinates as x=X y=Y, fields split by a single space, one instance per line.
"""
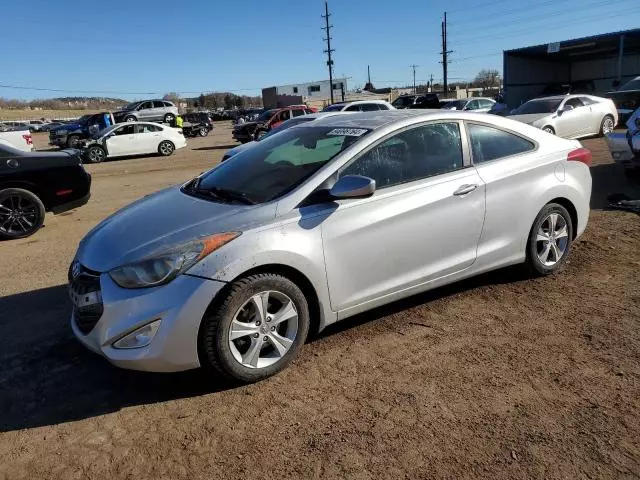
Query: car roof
x=374 y=120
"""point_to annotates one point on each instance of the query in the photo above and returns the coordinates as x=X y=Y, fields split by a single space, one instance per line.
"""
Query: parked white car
x=134 y=138
x=569 y=116
x=20 y=139
x=359 y=106
x=479 y=104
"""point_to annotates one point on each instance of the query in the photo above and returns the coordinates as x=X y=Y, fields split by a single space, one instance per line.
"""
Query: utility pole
x=445 y=52
x=327 y=28
x=414 y=76
x=431 y=83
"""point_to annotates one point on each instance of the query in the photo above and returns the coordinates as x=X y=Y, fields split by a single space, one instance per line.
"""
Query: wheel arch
x=30 y=187
x=573 y=212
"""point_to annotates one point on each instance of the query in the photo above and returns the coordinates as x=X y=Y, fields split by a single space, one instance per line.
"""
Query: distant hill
x=64 y=103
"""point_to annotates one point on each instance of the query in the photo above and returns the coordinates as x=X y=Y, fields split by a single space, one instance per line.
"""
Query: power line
x=327 y=28
x=481 y=5
x=506 y=13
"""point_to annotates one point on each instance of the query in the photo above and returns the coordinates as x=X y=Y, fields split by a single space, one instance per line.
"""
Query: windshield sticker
x=348 y=132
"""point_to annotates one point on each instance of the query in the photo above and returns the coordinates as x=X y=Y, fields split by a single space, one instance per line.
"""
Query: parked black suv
x=197 y=124
x=32 y=183
x=422 y=100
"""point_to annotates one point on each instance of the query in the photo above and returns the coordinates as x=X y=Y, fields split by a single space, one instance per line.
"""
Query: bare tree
x=487 y=78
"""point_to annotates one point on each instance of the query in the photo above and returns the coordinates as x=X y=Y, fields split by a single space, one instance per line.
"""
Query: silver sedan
x=233 y=269
x=569 y=116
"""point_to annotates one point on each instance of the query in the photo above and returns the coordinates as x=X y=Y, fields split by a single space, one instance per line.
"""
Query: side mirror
x=353 y=186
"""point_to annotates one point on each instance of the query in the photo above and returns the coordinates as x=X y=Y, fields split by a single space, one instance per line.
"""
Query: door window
x=421 y=152
x=488 y=143
x=147 y=128
x=126 y=130
x=353 y=108
x=145 y=106
x=297 y=113
x=575 y=102
x=167 y=104
x=158 y=104
x=485 y=103
x=473 y=105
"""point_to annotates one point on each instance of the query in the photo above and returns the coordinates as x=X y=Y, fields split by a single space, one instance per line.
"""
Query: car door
x=596 y=113
x=473 y=105
x=145 y=111
x=571 y=123
x=122 y=141
x=158 y=111
x=147 y=138
x=422 y=223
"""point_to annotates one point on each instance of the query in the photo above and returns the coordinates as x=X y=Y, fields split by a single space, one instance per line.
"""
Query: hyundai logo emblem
x=75 y=269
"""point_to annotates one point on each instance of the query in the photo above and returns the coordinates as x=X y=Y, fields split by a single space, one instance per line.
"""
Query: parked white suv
x=359 y=106
x=148 y=110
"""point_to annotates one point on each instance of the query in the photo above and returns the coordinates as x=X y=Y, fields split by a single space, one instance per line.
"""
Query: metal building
x=596 y=64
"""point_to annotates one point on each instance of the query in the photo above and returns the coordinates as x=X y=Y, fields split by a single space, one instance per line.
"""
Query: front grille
x=87 y=298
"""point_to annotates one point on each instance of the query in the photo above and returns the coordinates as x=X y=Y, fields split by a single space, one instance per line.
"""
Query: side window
x=145 y=106
x=297 y=113
x=421 y=152
x=126 y=130
x=484 y=103
x=158 y=104
x=587 y=101
x=353 y=108
x=147 y=128
x=369 y=107
x=382 y=106
x=295 y=89
x=167 y=104
x=473 y=105
x=488 y=143
x=575 y=102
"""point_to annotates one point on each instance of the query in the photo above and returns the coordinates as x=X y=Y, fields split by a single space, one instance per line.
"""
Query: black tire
x=130 y=118
x=17 y=198
x=203 y=131
x=95 y=154
x=259 y=134
x=169 y=118
x=72 y=141
x=549 y=129
x=533 y=263
x=607 y=125
x=215 y=351
x=166 y=148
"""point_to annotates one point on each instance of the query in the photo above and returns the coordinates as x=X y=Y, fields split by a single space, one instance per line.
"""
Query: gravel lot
x=497 y=377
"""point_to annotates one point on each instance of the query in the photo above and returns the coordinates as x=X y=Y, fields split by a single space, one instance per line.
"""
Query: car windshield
x=537 y=106
x=288 y=124
x=454 y=104
x=631 y=85
x=275 y=165
x=84 y=119
x=402 y=101
x=266 y=115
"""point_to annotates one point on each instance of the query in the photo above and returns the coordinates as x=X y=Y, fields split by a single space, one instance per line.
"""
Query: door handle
x=464 y=189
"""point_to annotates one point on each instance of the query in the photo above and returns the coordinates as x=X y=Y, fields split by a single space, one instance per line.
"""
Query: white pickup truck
x=20 y=139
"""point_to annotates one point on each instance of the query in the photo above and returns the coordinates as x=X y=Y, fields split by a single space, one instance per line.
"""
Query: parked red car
x=248 y=131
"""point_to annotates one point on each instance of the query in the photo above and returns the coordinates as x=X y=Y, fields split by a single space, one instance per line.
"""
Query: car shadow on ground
x=47 y=377
x=217 y=147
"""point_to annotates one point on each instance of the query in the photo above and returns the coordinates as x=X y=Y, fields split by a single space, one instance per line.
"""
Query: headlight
x=164 y=266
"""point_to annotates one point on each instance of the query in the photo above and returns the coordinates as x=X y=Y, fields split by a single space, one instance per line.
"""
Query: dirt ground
x=498 y=377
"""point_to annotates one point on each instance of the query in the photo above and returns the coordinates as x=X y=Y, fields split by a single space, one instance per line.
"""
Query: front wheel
x=550 y=240
x=257 y=329
x=259 y=134
x=73 y=141
x=166 y=148
x=169 y=118
x=130 y=118
x=607 y=125
x=203 y=132
x=95 y=154
x=21 y=213
x=549 y=130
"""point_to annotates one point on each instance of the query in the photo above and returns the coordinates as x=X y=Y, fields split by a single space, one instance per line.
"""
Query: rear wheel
x=166 y=148
x=550 y=240
x=21 y=213
x=169 y=118
x=257 y=329
x=549 y=129
x=203 y=132
x=607 y=125
x=130 y=118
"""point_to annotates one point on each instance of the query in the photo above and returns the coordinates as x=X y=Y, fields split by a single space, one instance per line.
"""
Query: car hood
x=529 y=118
x=67 y=126
x=161 y=221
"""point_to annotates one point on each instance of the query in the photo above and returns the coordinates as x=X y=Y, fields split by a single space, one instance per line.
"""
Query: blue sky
x=137 y=49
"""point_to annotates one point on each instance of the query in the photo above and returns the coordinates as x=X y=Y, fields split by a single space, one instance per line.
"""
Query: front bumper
x=58 y=140
x=180 y=306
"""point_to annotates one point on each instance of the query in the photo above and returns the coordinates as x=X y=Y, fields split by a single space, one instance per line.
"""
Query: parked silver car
x=324 y=220
x=148 y=110
x=478 y=105
x=569 y=116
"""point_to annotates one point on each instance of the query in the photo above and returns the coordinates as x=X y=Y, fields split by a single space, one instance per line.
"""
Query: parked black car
x=422 y=100
x=32 y=183
x=197 y=124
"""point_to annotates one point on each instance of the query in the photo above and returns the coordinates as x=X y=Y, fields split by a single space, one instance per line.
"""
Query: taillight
x=580 y=155
x=28 y=139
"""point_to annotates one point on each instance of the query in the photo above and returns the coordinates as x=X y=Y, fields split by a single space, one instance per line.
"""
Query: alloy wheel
x=552 y=239
x=607 y=125
x=96 y=155
x=166 y=148
x=263 y=329
x=18 y=215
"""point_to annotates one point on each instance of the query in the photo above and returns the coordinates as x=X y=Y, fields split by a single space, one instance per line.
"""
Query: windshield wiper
x=224 y=193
